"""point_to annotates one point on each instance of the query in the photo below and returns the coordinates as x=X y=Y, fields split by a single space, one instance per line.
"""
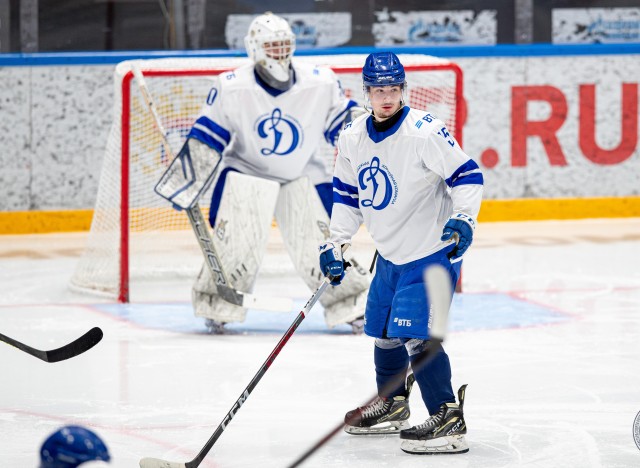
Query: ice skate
x=214 y=327
x=383 y=416
x=442 y=433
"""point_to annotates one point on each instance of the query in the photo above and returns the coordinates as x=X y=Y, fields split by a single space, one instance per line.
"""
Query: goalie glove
x=332 y=264
x=460 y=227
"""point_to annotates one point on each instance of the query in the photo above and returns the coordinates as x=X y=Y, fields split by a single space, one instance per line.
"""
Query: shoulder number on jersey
x=447 y=136
x=442 y=132
x=211 y=97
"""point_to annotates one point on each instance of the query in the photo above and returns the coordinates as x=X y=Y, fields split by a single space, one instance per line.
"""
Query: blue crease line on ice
x=469 y=312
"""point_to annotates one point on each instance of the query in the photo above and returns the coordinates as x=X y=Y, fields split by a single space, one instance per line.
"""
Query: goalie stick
x=158 y=463
x=201 y=231
x=439 y=290
x=76 y=347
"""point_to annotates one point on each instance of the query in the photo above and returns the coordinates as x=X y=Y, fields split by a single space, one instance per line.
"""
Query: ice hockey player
x=267 y=119
x=402 y=173
x=73 y=446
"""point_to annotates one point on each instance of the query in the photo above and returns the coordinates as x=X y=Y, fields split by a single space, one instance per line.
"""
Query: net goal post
x=135 y=235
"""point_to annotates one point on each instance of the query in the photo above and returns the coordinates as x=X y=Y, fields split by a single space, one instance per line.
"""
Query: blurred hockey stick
x=212 y=259
x=439 y=291
x=73 y=349
x=158 y=463
x=373 y=262
x=375 y=257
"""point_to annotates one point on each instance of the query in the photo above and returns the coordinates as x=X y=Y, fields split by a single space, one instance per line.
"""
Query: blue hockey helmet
x=71 y=446
x=383 y=69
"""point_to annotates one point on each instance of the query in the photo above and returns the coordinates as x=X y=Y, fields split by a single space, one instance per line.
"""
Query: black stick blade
x=76 y=347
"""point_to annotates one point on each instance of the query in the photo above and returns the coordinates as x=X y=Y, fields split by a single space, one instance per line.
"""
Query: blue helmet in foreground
x=71 y=446
x=383 y=69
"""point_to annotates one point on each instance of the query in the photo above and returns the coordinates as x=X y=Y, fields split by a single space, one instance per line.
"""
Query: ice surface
x=546 y=334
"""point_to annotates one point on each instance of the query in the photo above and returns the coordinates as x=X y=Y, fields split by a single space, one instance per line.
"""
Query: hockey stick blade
x=272 y=304
x=157 y=463
x=76 y=347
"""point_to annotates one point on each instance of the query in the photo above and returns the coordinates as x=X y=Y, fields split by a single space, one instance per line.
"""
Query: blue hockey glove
x=331 y=262
x=461 y=226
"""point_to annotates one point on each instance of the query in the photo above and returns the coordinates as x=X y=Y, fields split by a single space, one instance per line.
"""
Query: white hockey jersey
x=274 y=134
x=404 y=183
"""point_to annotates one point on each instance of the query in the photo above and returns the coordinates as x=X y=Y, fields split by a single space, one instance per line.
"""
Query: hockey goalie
x=256 y=140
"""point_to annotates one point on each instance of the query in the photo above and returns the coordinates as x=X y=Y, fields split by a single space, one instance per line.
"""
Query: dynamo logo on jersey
x=377 y=182
x=282 y=134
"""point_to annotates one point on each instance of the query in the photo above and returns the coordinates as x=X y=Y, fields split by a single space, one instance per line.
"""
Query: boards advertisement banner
x=429 y=28
x=311 y=29
x=595 y=25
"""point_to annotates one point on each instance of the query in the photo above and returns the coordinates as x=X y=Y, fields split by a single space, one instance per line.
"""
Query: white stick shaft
x=439 y=294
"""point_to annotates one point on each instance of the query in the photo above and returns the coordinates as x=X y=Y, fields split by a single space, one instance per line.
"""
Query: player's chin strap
x=212 y=259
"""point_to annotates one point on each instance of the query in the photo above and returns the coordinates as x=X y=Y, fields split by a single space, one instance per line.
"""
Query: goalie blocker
x=189 y=174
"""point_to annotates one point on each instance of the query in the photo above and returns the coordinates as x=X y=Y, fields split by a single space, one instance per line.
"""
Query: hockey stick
x=76 y=347
x=198 y=224
x=439 y=291
x=373 y=262
x=158 y=463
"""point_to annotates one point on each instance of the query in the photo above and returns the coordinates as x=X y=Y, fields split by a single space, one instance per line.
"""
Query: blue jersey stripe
x=342 y=187
x=206 y=139
x=345 y=200
x=475 y=178
x=215 y=128
x=461 y=173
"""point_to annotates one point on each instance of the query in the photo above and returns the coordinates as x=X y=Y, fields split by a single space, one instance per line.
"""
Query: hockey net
x=135 y=234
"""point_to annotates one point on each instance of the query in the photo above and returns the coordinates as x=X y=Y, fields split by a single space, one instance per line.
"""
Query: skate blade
x=384 y=428
x=438 y=446
x=215 y=328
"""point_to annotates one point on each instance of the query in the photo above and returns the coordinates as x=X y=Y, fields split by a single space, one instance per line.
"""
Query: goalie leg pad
x=346 y=310
x=240 y=237
x=304 y=224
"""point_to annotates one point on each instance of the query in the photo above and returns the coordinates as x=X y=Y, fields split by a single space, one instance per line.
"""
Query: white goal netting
x=135 y=234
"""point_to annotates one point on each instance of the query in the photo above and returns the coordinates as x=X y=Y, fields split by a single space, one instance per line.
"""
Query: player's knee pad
x=388 y=343
x=304 y=225
x=416 y=346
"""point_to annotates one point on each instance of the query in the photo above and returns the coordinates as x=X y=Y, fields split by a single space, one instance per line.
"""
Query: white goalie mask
x=270 y=43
